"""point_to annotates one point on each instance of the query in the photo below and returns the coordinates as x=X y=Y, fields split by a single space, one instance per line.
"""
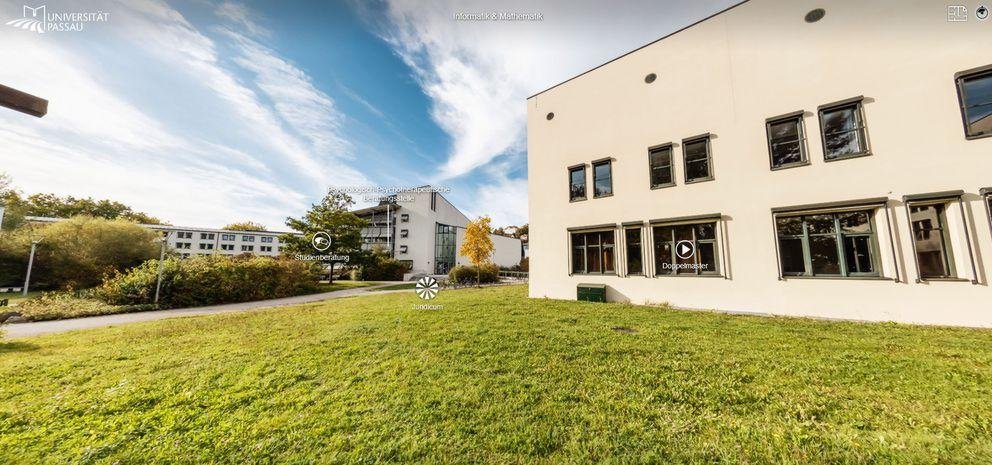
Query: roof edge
x=731 y=7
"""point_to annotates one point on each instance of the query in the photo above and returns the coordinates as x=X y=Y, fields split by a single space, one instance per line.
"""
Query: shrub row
x=462 y=274
x=211 y=279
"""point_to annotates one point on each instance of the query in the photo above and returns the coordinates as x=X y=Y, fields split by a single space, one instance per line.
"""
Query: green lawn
x=495 y=377
x=15 y=297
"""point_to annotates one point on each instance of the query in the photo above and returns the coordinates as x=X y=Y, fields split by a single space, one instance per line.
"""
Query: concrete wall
x=727 y=75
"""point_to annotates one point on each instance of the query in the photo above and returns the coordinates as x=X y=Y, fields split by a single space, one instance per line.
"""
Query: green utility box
x=592 y=292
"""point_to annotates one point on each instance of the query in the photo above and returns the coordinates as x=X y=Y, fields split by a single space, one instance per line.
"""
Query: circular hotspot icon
x=982 y=13
x=321 y=241
x=427 y=288
x=685 y=249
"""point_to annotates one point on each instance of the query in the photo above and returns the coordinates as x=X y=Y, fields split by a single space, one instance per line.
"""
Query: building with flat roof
x=188 y=241
x=792 y=158
x=421 y=228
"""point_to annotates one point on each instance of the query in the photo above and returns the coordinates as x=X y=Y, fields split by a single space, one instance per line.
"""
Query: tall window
x=933 y=248
x=660 y=166
x=602 y=179
x=975 y=98
x=786 y=141
x=842 y=128
x=592 y=253
x=829 y=244
x=577 y=183
x=688 y=249
x=634 y=261
x=988 y=207
x=698 y=160
x=444 y=248
x=433 y=201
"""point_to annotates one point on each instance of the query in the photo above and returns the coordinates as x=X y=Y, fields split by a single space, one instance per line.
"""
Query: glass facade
x=444 y=248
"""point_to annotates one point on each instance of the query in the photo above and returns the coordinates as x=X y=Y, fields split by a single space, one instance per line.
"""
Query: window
x=975 y=98
x=403 y=249
x=405 y=217
x=634 y=261
x=404 y=232
x=408 y=264
x=205 y=236
x=248 y=238
x=577 y=183
x=933 y=247
x=661 y=167
x=433 y=201
x=444 y=248
x=786 y=141
x=183 y=245
x=988 y=205
x=227 y=237
x=602 y=179
x=698 y=162
x=206 y=246
x=184 y=235
x=227 y=246
x=267 y=239
x=668 y=261
x=829 y=244
x=592 y=253
x=842 y=129
x=247 y=248
x=265 y=248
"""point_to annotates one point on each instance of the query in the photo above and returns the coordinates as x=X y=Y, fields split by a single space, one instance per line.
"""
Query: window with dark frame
x=405 y=217
x=635 y=263
x=933 y=246
x=404 y=232
x=661 y=167
x=698 y=159
x=975 y=99
x=593 y=252
x=577 y=183
x=988 y=208
x=842 y=129
x=602 y=178
x=842 y=244
x=703 y=238
x=786 y=141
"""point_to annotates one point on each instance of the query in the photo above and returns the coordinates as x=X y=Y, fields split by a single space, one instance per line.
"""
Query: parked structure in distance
x=424 y=230
x=775 y=158
x=188 y=241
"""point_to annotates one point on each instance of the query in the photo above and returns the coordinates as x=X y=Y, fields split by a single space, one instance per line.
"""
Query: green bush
x=60 y=305
x=384 y=268
x=211 y=279
x=462 y=274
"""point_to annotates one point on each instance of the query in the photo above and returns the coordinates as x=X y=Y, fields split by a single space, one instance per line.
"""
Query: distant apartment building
x=424 y=230
x=187 y=241
x=825 y=159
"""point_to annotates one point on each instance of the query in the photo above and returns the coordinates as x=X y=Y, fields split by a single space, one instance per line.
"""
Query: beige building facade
x=791 y=158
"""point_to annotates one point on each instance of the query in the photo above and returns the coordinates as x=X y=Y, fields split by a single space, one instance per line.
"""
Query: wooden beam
x=23 y=102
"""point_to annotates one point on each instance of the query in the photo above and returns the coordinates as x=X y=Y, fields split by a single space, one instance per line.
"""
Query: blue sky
x=207 y=112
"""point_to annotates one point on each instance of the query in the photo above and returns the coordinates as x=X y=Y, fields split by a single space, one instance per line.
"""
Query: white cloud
x=242 y=17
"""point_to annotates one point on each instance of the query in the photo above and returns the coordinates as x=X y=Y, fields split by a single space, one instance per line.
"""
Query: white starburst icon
x=427 y=288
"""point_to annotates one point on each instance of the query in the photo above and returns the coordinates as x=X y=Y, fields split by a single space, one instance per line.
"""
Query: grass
x=16 y=297
x=496 y=377
x=342 y=285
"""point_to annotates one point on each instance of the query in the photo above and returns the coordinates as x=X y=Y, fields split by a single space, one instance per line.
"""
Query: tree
x=52 y=205
x=6 y=182
x=76 y=253
x=478 y=246
x=330 y=216
x=245 y=226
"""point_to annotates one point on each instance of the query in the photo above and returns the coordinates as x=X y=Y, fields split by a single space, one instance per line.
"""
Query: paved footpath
x=37 y=328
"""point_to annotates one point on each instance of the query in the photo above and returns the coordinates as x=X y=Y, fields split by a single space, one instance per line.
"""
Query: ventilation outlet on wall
x=551 y=116
x=650 y=78
x=815 y=15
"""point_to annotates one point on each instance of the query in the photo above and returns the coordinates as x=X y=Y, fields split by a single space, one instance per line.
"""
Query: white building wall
x=725 y=76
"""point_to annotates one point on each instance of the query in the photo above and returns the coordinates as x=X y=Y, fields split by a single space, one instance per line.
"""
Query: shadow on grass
x=16 y=346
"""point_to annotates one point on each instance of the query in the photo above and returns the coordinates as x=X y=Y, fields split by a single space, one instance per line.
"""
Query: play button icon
x=685 y=249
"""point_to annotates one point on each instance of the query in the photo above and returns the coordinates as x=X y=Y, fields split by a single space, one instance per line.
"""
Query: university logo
x=33 y=20
x=39 y=19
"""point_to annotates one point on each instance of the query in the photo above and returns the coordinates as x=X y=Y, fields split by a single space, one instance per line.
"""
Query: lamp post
x=161 y=262
x=27 y=277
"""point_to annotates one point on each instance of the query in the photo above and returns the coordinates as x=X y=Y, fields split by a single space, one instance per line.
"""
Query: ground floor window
x=933 y=247
x=688 y=249
x=592 y=252
x=828 y=244
x=988 y=208
x=444 y=248
x=634 y=260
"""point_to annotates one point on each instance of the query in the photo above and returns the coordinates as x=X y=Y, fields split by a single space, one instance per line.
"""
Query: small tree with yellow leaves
x=478 y=246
